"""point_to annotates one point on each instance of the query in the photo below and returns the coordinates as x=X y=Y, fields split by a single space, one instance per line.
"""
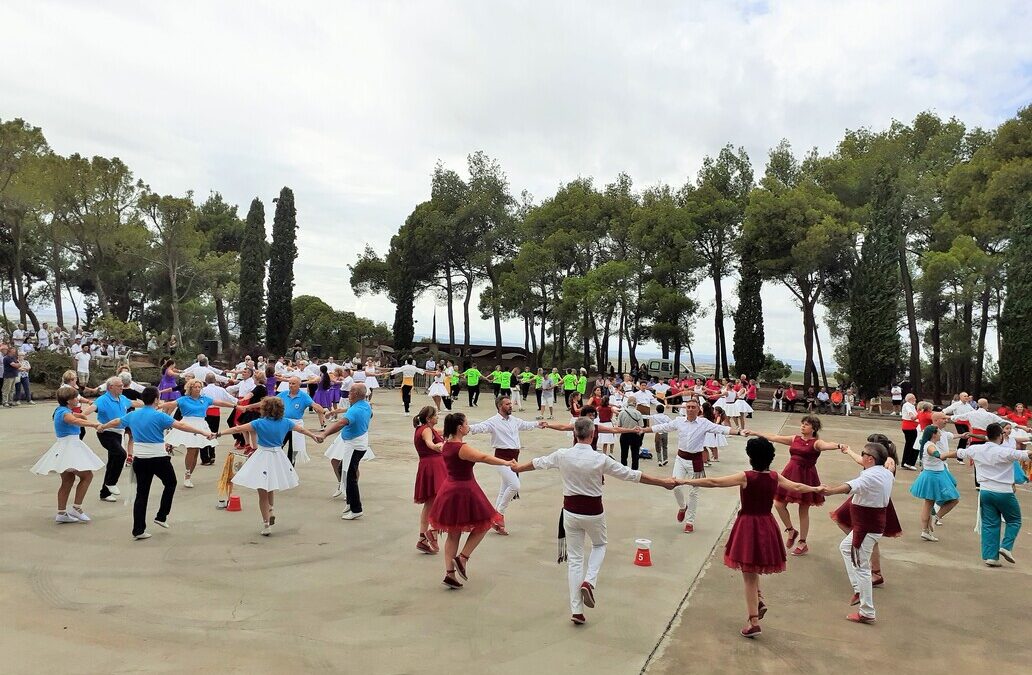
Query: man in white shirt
x=201 y=369
x=582 y=470
x=18 y=336
x=43 y=337
x=505 y=439
x=213 y=416
x=897 y=399
x=245 y=385
x=871 y=492
x=430 y=364
x=691 y=434
x=76 y=348
x=82 y=366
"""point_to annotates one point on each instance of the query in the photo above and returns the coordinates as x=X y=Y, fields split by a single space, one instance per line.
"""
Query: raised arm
x=773 y=438
x=787 y=484
x=471 y=454
x=238 y=429
x=824 y=446
x=733 y=480
x=182 y=426
x=336 y=426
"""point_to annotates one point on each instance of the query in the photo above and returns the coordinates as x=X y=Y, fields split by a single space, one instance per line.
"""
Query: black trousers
x=630 y=442
x=146 y=469
x=537 y=393
x=503 y=392
x=909 y=453
x=962 y=428
x=406 y=395
x=208 y=451
x=474 y=393
x=789 y=405
x=351 y=492
x=288 y=446
x=456 y=389
x=116 y=454
x=524 y=390
x=566 y=396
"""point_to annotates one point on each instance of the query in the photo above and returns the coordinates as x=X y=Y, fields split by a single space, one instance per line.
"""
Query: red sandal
x=753 y=629
x=794 y=534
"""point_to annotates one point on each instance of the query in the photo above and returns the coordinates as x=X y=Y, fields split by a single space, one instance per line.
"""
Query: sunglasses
x=867 y=454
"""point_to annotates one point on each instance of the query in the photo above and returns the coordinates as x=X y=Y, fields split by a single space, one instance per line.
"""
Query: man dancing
x=582 y=470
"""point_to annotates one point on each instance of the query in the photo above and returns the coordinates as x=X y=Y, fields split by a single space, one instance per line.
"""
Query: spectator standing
x=82 y=366
x=897 y=400
x=11 y=374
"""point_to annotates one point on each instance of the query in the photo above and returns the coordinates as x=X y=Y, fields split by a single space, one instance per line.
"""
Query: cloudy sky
x=351 y=104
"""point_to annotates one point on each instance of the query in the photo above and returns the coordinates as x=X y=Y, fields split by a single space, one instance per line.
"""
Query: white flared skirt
x=715 y=440
x=68 y=453
x=606 y=439
x=341 y=449
x=300 y=443
x=267 y=469
x=371 y=383
x=177 y=438
x=437 y=389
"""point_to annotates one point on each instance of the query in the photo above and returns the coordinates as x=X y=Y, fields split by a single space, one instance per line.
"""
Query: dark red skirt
x=892 y=527
x=430 y=477
x=461 y=506
x=755 y=545
x=807 y=475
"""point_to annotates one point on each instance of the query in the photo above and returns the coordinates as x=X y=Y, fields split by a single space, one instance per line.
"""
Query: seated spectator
x=823 y=401
x=790 y=398
x=811 y=400
x=836 y=400
x=777 y=398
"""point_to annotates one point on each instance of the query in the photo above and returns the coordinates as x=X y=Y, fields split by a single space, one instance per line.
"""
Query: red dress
x=431 y=474
x=755 y=542
x=842 y=516
x=460 y=504
x=801 y=468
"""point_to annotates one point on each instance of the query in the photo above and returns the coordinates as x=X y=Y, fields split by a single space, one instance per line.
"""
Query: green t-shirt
x=538 y=381
x=472 y=377
x=582 y=385
x=455 y=378
x=495 y=375
x=526 y=376
x=569 y=381
x=504 y=379
x=555 y=377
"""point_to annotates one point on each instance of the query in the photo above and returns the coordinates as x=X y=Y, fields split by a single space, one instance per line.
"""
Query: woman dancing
x=460 y=505
x=268 y=469
x=934 y=485
x=437 y=391
x=713 y=442
x=754 y=546
x=430 y=475
x=193 y=407
x=167 y=387
x=323 y=389
x=804 y=450
x=69 y=457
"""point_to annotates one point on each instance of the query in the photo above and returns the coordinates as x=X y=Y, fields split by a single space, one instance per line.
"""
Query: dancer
x=111 y=405
x=437 y=391
x=582 y=470
x=871 y=492
x=908 y=424
x=713 y=442
x=430 y=474
x=608 y=440
x=148 y=425
x=691 y=432
x=194 y=408
x=934 y=485
x=804 y=450
x=630 y=443
x=661 y=437
x=323 y=388
x=547 y=397
x=460 y=505
x=349 y=449
x=408 y=373
x=473 y=375
x=216 y=392
x=505 y=439
x=69 y=457
x=169 y=379
x=754 y=546
x=268 y=469
x=295 y=403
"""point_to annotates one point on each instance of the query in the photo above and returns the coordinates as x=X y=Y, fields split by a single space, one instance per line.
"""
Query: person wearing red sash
x=871 y=492
x=754 y=545
x=582 y=470
x=430 y=474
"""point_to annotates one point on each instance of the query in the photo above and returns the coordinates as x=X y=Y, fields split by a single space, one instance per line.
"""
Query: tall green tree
x=874 y=312
x=224 y=231
x=1015 y=337
x=253 y=255
x=279 y=318
x=748 y=334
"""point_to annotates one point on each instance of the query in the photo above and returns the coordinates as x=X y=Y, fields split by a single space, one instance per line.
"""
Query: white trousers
x=514 y=396
x=683 y=469
x=510 y=486
x=775 y=404
x=860 y=577
x=578 y=528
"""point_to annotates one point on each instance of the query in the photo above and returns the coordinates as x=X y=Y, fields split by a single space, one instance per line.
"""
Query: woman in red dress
x=754 y=545
x=460 y=505
x=804 y=450
x=844 y=520
x=430 y=475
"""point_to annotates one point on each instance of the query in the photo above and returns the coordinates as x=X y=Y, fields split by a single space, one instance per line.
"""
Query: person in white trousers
x=582 y=470
x=691 y=435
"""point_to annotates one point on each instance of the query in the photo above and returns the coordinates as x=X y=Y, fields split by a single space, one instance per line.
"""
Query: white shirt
x=644 y=398
x=897 y=393
x=407 y=370
x=345 y=385
x=82 y=362
x=659 y=418
x=430 y=364
x=959 y=406
x=582 y=469
x=825 y=396
x=872 y=488
x=76 y=349
x=313 y=370
x=44 y=338
x=979 y=419
x=243 y=388
x=691 y=435
x=994 y=465
x=931 y=463
x=18 y=336
x=359 y=376
x=661 y=388
x=217 y=393
x=505 y=433
x=909 y=411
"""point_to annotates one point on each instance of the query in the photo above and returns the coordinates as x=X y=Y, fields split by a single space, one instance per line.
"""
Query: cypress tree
x=279 y=318
x=873 y=342
x=253 y=253
x=1015 y=363
x=748 y=337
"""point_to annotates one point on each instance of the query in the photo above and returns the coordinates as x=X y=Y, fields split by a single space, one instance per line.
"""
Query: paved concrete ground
x=940 y=610
x=326 y=595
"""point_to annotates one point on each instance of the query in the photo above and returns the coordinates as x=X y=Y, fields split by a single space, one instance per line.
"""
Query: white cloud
x=351 y=104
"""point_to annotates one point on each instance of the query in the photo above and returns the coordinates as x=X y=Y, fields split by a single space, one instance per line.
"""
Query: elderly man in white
x=582 y=470
x=201 y=368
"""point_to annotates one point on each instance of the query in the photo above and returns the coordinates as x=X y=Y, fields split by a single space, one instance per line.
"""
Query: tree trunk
x=664 y=346
x=983 y=326
x=820 y=353
x=915 y=340
x=449 y=292
x=220 y=317
x=102 y=297
x=808 y=346
x=619 y=339
x=534 y=361
x=173 y=282
x=544 y=319
x=718 y=323
x=465 y=313
x=561 y=342
x=965 y=363
x=936 y=367
x=55 y=261
x=691 y=355
x=433 y=327
x=677 y=355
x=75 y=306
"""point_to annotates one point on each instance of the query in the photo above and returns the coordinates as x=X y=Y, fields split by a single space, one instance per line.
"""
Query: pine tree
x=873 y=343
x=1015 y=364
x=253 y=254
x=279 y=318
x=748 y=336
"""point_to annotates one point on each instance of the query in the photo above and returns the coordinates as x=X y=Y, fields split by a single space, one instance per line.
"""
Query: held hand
x=511 y=464
x=670 y=483
x=542 y=424
x=890 y=464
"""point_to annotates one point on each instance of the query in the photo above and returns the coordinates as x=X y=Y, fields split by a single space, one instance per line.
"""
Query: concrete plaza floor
x=326 y=595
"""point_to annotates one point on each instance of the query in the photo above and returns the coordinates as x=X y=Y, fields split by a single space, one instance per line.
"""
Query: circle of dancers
x=142 y=426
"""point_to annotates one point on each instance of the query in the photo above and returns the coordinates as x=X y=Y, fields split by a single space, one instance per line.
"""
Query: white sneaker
x=66 y=518
x=161 y=523
x=939 y=522
x=338 y=492
x=113 y=489
x=187 y=482
x=928 y=536
x=222 y=504
x=351 y=515
x=266 y=530
x=109 y=498
x=1007 y=555
x=80 y=514
x=908 y=467
x=142 y=535
x=993 y=563
x=346 y=511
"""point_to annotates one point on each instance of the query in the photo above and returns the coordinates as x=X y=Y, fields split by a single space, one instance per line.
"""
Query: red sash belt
x=866 y=520
x=583 y=505
x=507 y=453
x=695 y=458
x=212 y=411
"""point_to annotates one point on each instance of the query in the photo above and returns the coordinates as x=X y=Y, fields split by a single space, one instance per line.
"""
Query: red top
x=605 y=414
x=924 y=418
x=422 y=449
x=791 y=394
x=458 y=469
x=750 y=392
x=908 y=425
x=596 y=402
x=803 y=451
x=757 y=494
x=1019 y=419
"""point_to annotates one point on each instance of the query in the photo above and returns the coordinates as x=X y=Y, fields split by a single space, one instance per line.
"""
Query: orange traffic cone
x=643 y=557
x=234 y=503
